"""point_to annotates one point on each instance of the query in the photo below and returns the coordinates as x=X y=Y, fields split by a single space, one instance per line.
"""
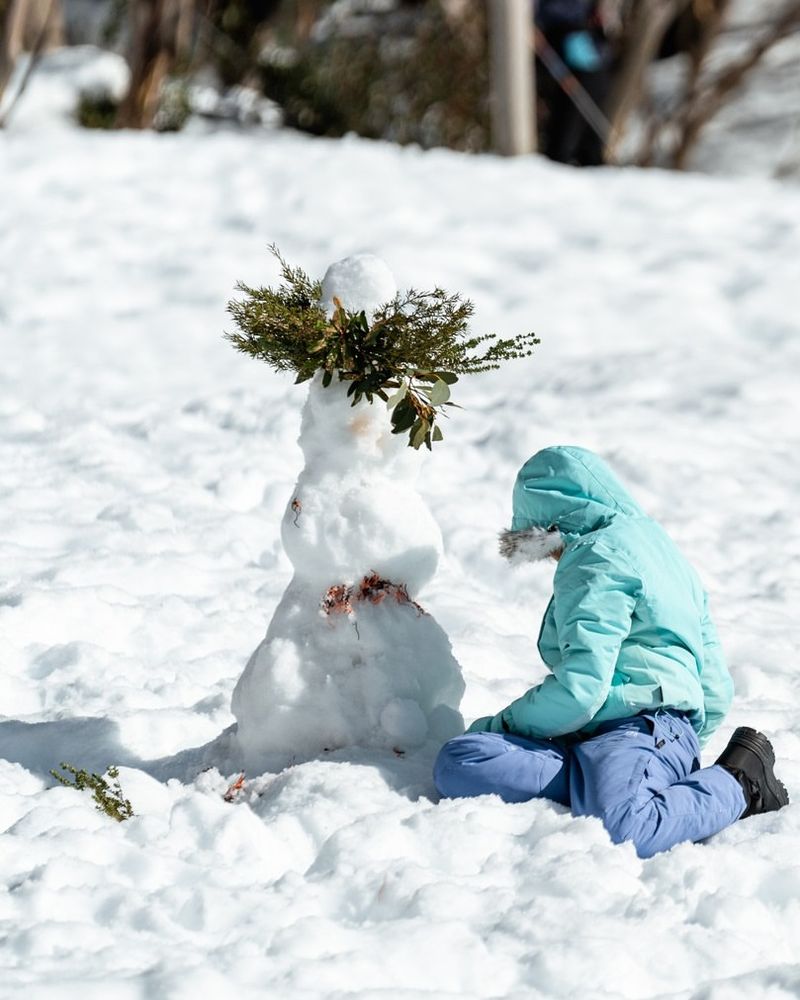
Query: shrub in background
x=408 y=73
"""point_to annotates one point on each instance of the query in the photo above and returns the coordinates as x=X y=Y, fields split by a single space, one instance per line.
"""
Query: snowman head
x=361 y=282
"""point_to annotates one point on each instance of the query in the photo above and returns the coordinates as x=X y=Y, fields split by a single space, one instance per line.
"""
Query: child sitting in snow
x=638 y=681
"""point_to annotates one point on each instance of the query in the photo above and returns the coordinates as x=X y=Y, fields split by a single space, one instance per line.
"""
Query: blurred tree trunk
x=27 y=26
x=307 y=13
x=643 y=34
x=161 y=35
x=705 y=21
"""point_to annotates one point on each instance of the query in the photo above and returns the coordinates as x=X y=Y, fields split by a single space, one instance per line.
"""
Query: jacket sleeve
x=484 y=725
x=716 y=682
x=594 y=595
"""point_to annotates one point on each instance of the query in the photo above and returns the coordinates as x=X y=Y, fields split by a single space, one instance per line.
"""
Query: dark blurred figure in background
x=574 y=30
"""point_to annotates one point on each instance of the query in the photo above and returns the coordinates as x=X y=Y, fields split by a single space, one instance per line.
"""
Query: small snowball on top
x=362 y=281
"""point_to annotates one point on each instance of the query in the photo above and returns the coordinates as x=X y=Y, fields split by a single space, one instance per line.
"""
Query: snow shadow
x=90 y=743
x=93 y=743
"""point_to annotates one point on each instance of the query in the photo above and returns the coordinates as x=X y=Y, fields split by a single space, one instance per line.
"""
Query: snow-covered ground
x=144 y=470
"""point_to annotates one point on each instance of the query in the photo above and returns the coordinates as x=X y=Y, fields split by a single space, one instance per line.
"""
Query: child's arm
x=594 y=595
x=717 y=683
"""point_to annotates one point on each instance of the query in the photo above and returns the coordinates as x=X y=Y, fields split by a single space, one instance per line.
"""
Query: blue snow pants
x=641 y=776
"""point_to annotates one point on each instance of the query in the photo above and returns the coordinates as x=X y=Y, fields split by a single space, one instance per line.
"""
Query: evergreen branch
x=108 y=798
x=417 y=343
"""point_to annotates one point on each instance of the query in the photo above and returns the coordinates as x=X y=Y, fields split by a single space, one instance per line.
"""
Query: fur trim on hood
x=530 y=545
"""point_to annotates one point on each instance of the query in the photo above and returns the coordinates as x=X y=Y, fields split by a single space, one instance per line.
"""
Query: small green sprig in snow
x=108 y=797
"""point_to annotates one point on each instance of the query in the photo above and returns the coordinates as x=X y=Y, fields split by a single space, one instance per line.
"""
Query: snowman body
x=350 y=658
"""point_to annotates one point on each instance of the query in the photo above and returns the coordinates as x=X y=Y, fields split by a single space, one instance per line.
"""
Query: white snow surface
x=145 y=468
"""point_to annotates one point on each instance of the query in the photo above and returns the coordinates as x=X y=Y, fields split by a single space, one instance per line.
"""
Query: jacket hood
x=571 y=489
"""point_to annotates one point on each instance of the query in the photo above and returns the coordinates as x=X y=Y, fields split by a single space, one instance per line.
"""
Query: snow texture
x=374 y=672
x=145 y=467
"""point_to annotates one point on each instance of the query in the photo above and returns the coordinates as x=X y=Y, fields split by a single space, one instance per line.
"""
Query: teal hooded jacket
x=628 y=627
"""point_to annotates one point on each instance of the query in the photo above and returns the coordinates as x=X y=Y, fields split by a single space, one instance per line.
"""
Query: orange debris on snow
x=340 y=599
x=337 y=600
x=234 y=788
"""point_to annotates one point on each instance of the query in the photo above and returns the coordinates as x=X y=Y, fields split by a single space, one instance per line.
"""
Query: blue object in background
x=581 y=52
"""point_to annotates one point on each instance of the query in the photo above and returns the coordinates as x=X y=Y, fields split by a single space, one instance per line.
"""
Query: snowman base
x=372 y=671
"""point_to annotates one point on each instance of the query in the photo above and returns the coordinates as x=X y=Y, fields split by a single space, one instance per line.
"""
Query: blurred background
x=711 y=85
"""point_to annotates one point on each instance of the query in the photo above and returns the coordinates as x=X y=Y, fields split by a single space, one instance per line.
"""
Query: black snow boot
x=750 y=759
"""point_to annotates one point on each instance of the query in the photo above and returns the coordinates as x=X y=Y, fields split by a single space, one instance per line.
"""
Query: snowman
x=350 y=658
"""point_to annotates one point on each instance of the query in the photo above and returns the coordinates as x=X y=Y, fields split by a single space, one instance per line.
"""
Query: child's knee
x=627 y=823
x=460 y=753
